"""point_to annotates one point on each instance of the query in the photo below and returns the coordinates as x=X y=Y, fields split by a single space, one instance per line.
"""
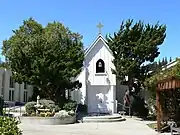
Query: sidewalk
x=128 y=127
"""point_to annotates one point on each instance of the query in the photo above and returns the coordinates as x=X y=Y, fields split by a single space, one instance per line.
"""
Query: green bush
x=53 y=107
x=47 y=104
x=177 y=116
x=8 y=126
x=45 y=114
x=82 y=108
x=139 y=107
x=151 y=106
x=42 y=114
x=70 y=106
x=30 y=107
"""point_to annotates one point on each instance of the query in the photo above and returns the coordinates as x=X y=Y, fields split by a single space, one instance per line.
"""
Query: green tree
x=166 y=61
x=159 y=63
x=163 y=61
x=170 y=60
x=134 y=45
x=3 y=64
x=47 y=57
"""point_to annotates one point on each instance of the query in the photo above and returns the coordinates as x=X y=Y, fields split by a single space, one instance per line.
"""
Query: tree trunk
x=60 y=97
x=130 y=83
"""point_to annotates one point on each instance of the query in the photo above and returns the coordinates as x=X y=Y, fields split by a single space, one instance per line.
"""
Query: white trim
x=88 y=50
x=99 y=37
x=100 y=74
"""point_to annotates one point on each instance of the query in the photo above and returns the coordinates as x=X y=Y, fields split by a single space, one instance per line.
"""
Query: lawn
x=152 y=125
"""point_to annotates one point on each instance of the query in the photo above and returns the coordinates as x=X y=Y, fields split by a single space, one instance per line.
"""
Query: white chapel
x=100 y=89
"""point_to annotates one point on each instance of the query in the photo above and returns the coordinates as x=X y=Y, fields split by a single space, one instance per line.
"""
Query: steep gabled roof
x=99 y=37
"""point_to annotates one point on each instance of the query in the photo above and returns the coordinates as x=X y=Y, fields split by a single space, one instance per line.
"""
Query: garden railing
x=125 y=107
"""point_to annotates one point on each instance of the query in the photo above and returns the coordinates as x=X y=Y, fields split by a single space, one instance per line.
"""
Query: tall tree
x=165 y=60
x=134 y=45
x=47 y=57
x=170 y=59
x=159 y=63
x=3 y=64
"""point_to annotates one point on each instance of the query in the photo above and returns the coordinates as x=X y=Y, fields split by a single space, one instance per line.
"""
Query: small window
x=11 y=82
x=11 y=95
x=3 y=76
x=25 y=85
x=100 y=67
x=25 y=96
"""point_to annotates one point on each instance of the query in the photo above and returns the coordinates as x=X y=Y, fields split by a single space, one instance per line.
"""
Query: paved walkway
x=128 y=127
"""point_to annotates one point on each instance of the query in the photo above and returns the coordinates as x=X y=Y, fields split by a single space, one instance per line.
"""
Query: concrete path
x=128 y=127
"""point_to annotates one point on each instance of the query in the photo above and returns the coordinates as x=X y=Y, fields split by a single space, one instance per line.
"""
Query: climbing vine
x=170 y=100
x=173 y=71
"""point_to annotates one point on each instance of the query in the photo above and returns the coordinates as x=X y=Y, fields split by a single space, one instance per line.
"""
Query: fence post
x=129 y=111
x=1 y=104
x=20 y=110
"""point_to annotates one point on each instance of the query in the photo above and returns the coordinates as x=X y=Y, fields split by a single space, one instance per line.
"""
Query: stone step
x=102 y=120
x=103 y=117
x=106 y=118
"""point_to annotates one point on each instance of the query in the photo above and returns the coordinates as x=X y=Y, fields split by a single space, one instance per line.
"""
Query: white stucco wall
x=79 y=95
x=101 y=99
x=18 y=88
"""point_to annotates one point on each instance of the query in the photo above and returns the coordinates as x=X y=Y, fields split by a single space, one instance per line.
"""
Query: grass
x=164 y=128
x=152 y=125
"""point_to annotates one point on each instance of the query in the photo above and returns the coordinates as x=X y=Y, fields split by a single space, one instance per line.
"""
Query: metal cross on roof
x=99 y=27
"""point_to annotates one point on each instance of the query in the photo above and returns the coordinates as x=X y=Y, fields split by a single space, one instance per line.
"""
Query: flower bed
x=48 y=120
x=49 y=113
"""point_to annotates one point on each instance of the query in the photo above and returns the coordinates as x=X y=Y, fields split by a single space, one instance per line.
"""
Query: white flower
x=71 y=113
x=62 y=114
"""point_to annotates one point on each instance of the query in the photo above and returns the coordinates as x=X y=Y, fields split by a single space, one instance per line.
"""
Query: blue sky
x=83 y=15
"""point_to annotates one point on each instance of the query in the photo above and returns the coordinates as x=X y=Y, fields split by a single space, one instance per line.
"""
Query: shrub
x=42 y=114
x=46 y=102
x=45 y=114
x=151 y=106
x=64 y=114
x=70 y=106
x=30 y=107
x=8 y=126
x=33 y=114
x=139 y=107
x=177 y=116
x=71 y=113
x=48 y=114
x=49 y=104
x=82 y=108
x=53 y=107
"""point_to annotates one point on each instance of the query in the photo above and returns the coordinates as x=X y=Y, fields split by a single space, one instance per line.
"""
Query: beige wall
x=18 y=88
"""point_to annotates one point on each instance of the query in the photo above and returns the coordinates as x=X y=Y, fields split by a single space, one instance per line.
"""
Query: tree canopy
x=157 y=66
x=47 y=57
x=173 y=71
x=134 y=46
